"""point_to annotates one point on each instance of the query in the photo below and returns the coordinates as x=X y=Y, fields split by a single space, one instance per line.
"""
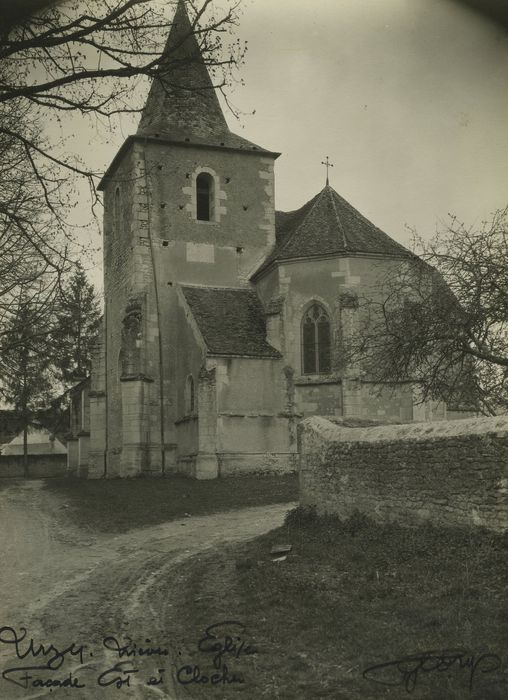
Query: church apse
x=325 y=384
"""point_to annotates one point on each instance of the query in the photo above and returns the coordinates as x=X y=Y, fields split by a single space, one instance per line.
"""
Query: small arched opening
x=204 y=197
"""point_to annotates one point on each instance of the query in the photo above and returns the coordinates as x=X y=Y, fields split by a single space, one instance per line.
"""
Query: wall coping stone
x=409 y=432
x=248 y=414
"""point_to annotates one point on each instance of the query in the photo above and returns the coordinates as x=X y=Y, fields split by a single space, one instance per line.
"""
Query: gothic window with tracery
x=316 y=340
x=204 y=197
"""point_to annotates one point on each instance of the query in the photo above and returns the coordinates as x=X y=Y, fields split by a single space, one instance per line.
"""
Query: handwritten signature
x=407 y=670
x=52 y=657
x=41 y=665
x=37 y=657
x=221 y=640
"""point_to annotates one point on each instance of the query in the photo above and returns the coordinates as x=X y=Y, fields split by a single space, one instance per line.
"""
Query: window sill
x=305 y=379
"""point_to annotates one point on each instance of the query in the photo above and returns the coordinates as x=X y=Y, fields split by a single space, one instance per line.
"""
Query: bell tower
x=186 y=202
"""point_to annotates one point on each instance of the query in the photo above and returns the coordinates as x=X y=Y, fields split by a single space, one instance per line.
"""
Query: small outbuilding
x=40 y=442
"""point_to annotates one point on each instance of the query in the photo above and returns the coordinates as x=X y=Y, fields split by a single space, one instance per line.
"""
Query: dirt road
x=66 y=586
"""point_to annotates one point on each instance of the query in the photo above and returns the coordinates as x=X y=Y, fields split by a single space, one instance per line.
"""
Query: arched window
x=316 y=340
x=204 y=197
x=190 y=406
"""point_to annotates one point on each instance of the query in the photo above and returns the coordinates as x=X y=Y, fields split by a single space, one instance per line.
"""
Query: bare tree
x=76 y=57
x=441 y=322
x=87 y=56
x=32 y=257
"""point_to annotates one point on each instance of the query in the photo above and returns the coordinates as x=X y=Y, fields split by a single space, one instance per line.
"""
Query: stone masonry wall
x=118 y=287
x=452 y=473
x=39 y=466
x=337 y=284
x=226 y=249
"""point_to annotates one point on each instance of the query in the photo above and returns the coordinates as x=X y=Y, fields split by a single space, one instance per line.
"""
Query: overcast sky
x=408 y=98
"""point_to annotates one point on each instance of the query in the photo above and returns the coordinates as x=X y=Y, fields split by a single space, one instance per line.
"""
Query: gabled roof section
x=182 y=104
x=231 y=321
x=40 y=441
x=328 y=225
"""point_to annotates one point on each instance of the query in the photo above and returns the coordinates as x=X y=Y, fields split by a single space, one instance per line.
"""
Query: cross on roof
x=328 y=166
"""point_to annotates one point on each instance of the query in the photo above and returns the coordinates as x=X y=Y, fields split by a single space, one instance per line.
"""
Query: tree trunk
x=24 y=413
x=25 y=448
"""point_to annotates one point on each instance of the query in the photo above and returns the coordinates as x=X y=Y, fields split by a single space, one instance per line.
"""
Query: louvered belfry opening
x=316 y=337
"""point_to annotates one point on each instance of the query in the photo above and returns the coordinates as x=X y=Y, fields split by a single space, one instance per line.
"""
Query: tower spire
x=182 y=103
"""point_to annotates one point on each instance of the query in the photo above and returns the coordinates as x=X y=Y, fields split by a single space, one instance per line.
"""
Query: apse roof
x=327 y=224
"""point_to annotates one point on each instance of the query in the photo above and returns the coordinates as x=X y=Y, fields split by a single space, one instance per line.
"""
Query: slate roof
x=326 y=225
x=231 y=321
x=182 y=104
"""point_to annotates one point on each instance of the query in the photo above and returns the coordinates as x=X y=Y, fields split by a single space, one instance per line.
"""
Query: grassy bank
x=118 y=505
x=349 y=596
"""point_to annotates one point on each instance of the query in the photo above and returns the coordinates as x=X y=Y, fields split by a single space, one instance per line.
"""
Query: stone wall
x=244 y=420
x=337 y=284
x=39 y=466
x=255 y=417
x=452 y=473
x=225 y=250
x=238 y=464
x=332 y=283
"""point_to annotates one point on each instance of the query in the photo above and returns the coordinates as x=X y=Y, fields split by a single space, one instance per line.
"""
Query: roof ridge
x=363 y=218
x=344 y=239
x=293 y=233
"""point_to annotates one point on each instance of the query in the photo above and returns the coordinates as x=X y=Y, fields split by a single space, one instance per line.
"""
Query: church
x=225 y=320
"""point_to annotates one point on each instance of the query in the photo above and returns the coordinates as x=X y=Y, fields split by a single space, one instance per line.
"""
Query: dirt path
x=65 y=585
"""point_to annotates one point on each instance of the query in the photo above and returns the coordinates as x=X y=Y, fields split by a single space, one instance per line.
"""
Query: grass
x=5 y=483
x=350 y=595
x=118 y=505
